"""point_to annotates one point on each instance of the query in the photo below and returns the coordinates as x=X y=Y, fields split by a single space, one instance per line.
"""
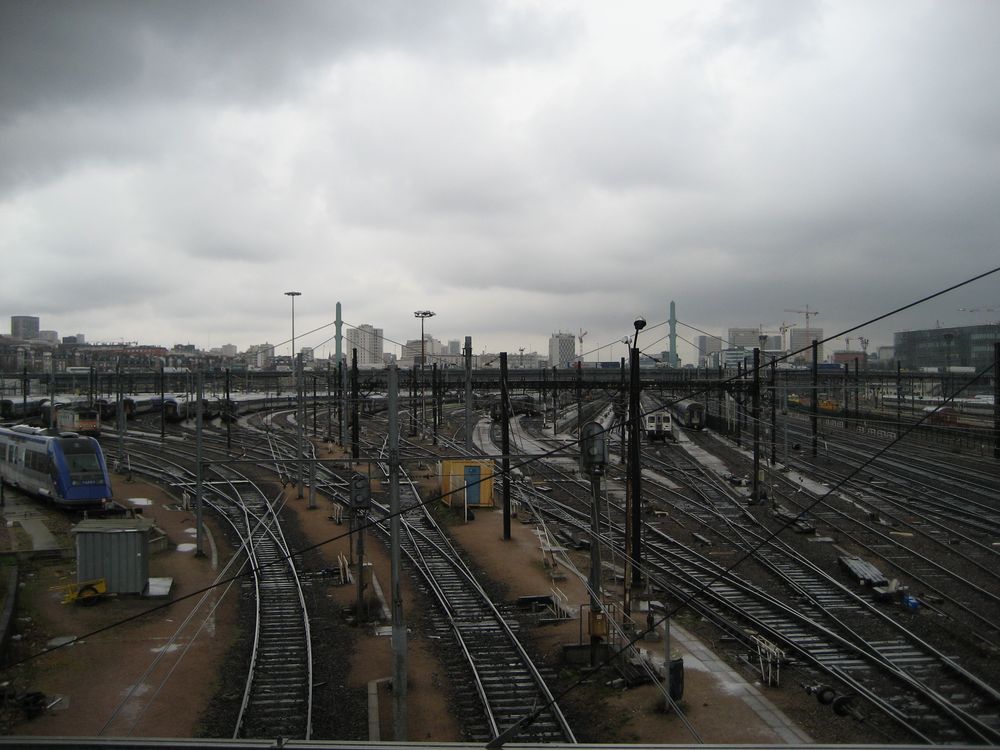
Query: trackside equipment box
x=116 y=550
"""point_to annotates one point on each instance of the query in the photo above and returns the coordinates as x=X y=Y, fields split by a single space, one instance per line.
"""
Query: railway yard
x=853 y=599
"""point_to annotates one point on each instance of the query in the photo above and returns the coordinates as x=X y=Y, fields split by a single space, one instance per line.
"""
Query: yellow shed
x=467 y=481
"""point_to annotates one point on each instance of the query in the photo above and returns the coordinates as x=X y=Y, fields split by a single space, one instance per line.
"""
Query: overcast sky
x=169 y=169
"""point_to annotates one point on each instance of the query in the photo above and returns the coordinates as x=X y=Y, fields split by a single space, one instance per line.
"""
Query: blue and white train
x=67 y=469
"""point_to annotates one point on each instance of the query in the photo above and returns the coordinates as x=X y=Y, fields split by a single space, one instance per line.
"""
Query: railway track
x=489 y=655
x=277 y=696
x=922 y=690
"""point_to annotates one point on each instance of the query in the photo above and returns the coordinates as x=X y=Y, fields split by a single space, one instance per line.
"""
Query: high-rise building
x=229 y=350
x=802 y=338
x=562 y=349
x=24 y=327
x=454 y=346
x=51 y=337
x=707 y=345
x=743 y=338
x=369 y=343
x=260 y=355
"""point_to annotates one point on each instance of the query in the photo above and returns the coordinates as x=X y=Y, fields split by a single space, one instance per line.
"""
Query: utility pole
x=434 y=399
x=996 y=400
x=299 y=419
x=199 y=479
x=505 y=444
x=228 y=415
x=755 y=491
x=468 y=393
x=814 y=416
x=355 y=417
x=398 y=623
x=163 y=395
x=774 y=413
x=593 y=459
x=634 y=496
x=422 y=315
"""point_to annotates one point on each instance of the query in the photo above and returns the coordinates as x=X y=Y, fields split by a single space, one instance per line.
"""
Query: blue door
x=472 y=485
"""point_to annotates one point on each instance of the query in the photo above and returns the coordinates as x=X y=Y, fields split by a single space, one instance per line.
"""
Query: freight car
x=69 y=469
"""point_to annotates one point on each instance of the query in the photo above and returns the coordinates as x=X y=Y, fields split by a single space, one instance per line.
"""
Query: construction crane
x=807 y=312
x=864 y=344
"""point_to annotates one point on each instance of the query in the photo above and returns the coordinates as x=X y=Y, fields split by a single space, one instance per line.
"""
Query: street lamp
x=423 y=315
x=298 y=401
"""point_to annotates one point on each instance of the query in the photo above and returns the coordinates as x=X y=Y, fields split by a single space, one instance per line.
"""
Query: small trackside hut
x=467 y=482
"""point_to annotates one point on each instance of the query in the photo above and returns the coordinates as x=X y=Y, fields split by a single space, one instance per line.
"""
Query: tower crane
x=807 y=312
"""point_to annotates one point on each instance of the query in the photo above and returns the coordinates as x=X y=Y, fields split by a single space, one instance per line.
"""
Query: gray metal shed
x=116 y=550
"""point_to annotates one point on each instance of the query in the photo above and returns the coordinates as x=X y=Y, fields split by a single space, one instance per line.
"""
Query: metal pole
x=468 y=393
x=398 y=623
x=774 y=414
x=423 y=315
x=298 y=402
x=355 y=417
x=899 y=398
x=229 y=416
x=163 y=396
x=555 y=399
x=299 y=418
x=996 y=400
x=198 y=498
x=814 y=409
x=595 y=561
x=755 y=491
x=505 y=444
x=635 y=468
x=737 y=403
x=434 y=401
x=120 y=415
x=846 y=400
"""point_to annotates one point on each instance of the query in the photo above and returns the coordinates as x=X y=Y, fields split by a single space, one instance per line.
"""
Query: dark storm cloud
x=55 y=54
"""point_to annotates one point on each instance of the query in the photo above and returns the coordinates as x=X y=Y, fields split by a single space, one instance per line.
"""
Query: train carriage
x=689 y=414
x=21 y=408
x=69 y=470
x=657 y=424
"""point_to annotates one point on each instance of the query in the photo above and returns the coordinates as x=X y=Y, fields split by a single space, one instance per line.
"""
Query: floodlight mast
x=422 y=315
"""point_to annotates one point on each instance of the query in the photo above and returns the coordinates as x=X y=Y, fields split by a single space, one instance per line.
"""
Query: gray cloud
x=516 y=168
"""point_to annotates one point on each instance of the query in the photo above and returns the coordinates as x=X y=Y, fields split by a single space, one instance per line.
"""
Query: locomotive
x=68 y=469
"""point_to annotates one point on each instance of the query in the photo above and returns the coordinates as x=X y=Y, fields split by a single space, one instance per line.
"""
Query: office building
x=562 y=350
x=959 y=346
x=24 y=327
